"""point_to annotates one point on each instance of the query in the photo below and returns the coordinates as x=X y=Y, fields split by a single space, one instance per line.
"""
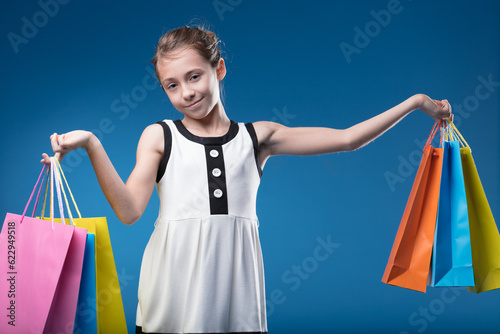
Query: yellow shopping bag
x=109 y=304
x=485 y=239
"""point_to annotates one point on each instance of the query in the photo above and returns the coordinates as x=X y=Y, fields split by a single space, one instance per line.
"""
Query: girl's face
x=191 y=83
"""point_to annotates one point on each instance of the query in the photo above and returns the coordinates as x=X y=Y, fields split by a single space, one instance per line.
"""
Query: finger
x=46 y=159
x=439 y=103
x=448 y=108
x=54 y=142
x=446 y=104
x=59 y=156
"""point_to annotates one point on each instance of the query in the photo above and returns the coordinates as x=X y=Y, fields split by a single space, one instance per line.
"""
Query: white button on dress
x=214 y=153
x=216 y=172
x=218 y=193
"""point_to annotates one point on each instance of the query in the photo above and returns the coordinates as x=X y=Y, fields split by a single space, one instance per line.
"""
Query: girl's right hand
x=434 y=108
x=62 y=144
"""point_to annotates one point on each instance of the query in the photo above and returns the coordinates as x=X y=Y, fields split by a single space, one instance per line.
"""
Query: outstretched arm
x=277 y=139
x=128 y=200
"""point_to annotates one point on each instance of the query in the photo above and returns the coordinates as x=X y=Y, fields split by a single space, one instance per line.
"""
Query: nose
x=187 y=93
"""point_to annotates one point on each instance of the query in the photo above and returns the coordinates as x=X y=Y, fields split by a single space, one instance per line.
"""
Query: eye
x=194 y=77
x=171 y=86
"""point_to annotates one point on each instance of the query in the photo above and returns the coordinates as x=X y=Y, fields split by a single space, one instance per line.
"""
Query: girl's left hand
x=434 y=108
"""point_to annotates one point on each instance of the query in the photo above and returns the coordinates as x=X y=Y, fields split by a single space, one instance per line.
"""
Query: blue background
x=76 y=66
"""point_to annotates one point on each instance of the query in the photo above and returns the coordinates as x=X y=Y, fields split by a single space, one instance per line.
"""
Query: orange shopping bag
x=409 y=262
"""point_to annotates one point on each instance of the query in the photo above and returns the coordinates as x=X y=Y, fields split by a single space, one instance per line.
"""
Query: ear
x=221 y=70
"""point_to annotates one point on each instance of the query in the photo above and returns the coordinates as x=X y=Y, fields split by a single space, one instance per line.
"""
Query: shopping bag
x=485 y=239
x=33 y=252
x=410 y=258
x=451 y=258
x=111 y=315
x=108 y=301
x=86 y=315
x=85 y=320
x=62 y=313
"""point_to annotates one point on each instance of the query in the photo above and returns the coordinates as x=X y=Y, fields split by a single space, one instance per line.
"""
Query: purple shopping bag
x=32 y=255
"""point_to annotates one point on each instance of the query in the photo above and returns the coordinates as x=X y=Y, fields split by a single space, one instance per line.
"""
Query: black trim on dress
x=138 y=330
x=167 y=148
x=216 y=172
x=253 y=135
x=231 y=133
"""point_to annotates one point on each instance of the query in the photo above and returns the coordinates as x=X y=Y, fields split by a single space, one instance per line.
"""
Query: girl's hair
x=200 y=39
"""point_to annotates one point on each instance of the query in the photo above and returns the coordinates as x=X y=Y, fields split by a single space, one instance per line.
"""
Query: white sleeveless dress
x=202 y=270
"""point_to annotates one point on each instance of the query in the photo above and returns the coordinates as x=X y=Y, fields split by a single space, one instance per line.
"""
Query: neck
x=215 y=124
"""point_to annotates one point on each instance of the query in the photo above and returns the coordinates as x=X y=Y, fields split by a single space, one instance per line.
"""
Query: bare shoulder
x=265 y=130
x=152 y=138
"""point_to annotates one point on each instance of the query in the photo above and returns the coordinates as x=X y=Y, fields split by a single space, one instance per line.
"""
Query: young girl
x=202 y=269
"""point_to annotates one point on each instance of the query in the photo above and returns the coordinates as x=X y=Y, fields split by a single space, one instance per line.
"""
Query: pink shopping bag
x=32 y=256
x=62 y=313
x=61 y=318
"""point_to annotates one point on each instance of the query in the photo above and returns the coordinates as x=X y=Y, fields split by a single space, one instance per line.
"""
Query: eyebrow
x=189 y=73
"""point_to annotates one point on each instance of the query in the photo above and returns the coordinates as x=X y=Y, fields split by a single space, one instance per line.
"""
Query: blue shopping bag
x=451 y=258
x=86 y=314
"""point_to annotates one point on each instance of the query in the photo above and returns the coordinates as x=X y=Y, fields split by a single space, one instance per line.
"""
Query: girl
x=202 y=269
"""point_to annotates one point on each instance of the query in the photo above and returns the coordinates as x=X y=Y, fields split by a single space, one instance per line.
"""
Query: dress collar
x=230 y=134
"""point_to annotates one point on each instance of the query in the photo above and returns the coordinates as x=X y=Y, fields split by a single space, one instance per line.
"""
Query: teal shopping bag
x=86 y=314
x=452 y=258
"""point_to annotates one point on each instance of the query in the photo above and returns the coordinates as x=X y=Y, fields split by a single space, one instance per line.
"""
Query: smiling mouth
x=194 y=104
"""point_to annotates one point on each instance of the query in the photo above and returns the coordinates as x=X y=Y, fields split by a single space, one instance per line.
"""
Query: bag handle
x=59 y=175
x=446 y=134
x=42 y=215
x=437 y=125
x=32 y=193
x=55 y=177
x=459 y=136
x=51 y=198
x=39 y=191
x=61 y=172
x=38 y=195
